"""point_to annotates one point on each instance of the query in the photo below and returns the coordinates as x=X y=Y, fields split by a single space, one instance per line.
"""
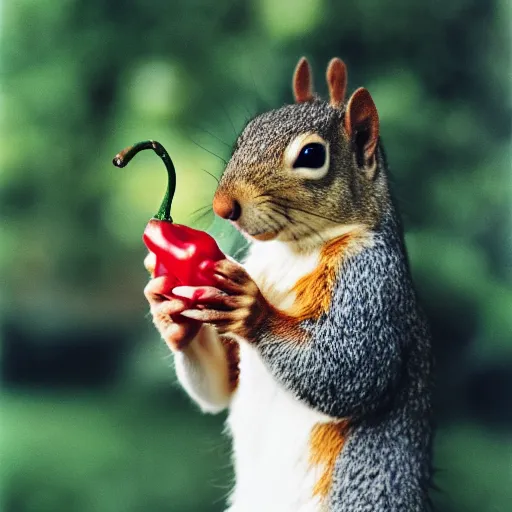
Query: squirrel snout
x=226 y=207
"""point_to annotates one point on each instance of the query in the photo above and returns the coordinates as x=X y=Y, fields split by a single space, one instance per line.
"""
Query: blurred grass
x=110 y=451
x=474 y=469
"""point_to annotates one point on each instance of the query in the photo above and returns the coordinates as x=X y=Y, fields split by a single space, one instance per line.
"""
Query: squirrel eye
x=311 y=156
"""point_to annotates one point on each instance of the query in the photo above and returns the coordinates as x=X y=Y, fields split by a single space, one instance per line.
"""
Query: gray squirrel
x=316 y=343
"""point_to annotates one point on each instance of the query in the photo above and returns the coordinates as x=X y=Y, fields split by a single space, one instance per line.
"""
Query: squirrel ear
x=302 y=83
x=337 y=81
x=362 y=125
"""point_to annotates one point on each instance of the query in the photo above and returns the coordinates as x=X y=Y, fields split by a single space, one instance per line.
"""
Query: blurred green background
x=92 y=417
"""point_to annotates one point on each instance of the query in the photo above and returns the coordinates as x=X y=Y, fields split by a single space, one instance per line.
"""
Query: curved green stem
x=124 y=156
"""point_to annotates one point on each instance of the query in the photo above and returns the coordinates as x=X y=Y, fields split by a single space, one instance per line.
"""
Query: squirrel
x=316 y=344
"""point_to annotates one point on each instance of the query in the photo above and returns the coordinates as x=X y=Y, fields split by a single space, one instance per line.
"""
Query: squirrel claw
x=236 y=306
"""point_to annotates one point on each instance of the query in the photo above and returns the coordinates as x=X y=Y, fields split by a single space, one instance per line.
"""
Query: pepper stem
x=124 y=156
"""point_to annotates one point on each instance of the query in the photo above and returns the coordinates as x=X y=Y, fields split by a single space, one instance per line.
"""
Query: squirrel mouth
x=257 y=230
x=264 y=235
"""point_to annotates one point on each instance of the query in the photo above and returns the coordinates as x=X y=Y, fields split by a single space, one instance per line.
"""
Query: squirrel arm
x=207 y=366
x=346 y=363
x=205 y=369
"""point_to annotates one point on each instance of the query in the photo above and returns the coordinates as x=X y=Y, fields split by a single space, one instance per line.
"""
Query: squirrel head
x=307 y=170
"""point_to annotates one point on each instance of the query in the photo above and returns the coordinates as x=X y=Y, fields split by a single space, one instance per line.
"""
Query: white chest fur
x=270 y=428
x=276 y=269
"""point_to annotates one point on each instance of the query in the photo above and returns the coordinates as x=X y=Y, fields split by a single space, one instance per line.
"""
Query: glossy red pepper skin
x=181 y=251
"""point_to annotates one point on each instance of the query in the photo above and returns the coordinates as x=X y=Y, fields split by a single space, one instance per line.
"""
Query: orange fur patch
x=283 y=326
x=302 y=82
x=313 y=292
x=337 y=82
x=326 y=442
x=233 y=356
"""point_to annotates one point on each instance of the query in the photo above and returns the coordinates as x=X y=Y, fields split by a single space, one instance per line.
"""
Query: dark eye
x=311 y=156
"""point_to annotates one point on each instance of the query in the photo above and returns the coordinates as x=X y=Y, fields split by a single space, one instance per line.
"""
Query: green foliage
x=83 y=79
x=473 y=470
x=115 y=452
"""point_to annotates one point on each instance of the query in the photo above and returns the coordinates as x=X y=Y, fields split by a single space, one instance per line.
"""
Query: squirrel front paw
x=235 y=305
x=176 y=330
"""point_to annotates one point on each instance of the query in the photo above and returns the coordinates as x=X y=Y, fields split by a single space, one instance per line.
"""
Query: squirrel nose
x=227 y=208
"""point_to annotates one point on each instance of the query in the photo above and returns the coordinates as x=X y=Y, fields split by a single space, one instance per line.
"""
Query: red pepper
x=179 y=250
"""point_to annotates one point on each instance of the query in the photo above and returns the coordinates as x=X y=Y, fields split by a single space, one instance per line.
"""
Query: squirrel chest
x=284 y=451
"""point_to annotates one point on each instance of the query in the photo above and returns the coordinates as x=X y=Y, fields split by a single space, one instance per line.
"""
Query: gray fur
x=346 y=194
x=369 y=358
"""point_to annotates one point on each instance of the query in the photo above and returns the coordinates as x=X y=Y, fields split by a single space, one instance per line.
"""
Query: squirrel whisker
x=307 y=230
x=282 y=211
x=217 y=137
x=268 y=193
x=289 y=207
x=195 y=127
x=207 y=206
x=208 y=151
x=229 y=118
x=201 y=213
x=212 y=175
x=273 y=224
